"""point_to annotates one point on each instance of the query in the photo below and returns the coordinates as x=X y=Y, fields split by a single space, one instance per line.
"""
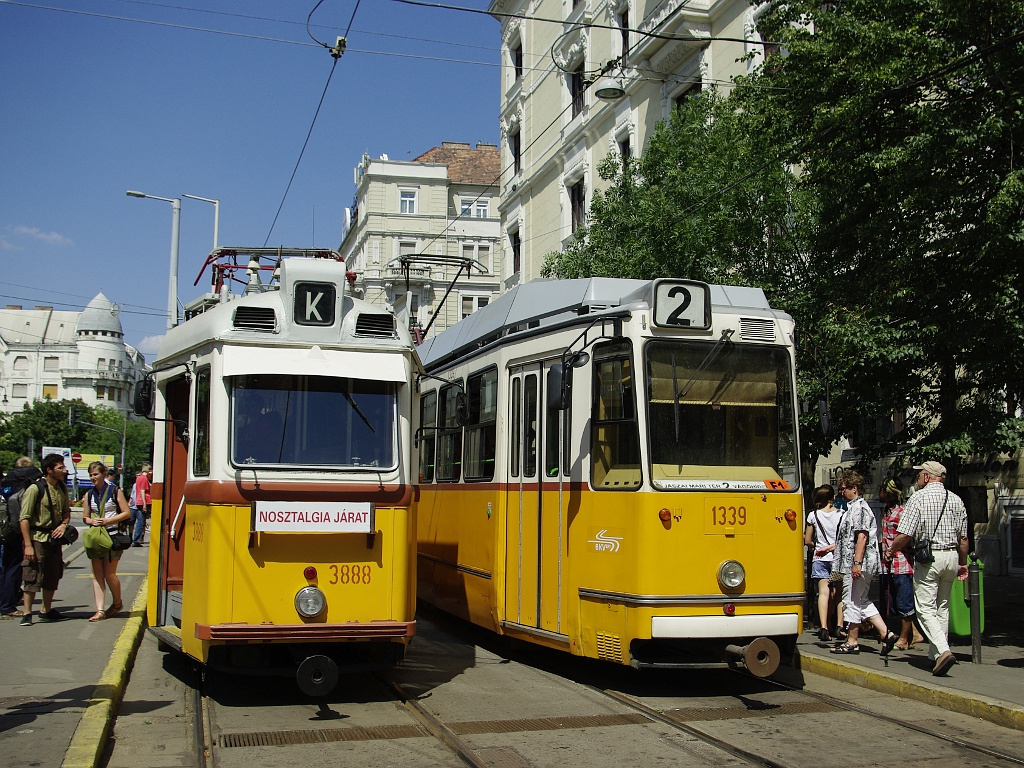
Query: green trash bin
x=960 y=608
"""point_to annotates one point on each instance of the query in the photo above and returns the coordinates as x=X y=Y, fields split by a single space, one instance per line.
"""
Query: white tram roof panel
x=548 y=302
x=271 y=317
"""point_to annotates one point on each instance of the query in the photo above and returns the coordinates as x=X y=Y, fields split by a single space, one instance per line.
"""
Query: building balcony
x=97 y=376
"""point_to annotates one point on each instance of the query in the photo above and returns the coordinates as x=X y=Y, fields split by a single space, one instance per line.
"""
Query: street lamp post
x=216 y=215
x=172 y=287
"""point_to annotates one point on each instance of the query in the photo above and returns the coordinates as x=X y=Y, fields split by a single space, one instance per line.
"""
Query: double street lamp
x=216 y=214
x=172 y=287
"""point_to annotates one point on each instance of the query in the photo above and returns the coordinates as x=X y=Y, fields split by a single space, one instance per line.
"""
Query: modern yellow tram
x=610 y=467
x=282 y=524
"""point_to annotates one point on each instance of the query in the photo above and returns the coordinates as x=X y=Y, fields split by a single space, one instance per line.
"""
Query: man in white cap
x=935 y=514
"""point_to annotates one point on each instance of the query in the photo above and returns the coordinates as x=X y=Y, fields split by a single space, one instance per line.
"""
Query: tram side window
x=481 y=431
x=615 y=436
x=449 y=436
x=516 y=431
x=201 y=432
x=428 y=435
x=530 y=423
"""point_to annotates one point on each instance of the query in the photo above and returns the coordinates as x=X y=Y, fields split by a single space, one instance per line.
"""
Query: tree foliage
x=47 y=421
x=869 y=178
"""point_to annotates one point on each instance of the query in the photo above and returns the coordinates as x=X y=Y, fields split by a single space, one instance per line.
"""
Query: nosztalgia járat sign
x=309 y=516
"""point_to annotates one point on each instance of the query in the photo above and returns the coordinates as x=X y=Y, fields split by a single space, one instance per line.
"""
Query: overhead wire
x=336 y=54
x=276 y=20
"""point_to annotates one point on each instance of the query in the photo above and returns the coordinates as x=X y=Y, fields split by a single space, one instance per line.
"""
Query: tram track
x=850 y=707
x=414 y=712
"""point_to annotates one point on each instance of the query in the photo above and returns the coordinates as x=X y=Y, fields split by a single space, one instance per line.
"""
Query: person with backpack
x=105 y=505
x=45 y=516
x=12 y=550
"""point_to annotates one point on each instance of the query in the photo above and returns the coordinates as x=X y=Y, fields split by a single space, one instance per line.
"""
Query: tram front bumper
x=368 y=630
x=724 y=627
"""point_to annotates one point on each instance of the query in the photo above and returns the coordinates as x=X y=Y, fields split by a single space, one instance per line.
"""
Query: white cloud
x=148 y=346
x=54 y=238
x=7 y=245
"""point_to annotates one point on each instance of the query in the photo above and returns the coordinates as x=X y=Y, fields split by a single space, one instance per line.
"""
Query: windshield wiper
x=713 y=353
x=356 y=409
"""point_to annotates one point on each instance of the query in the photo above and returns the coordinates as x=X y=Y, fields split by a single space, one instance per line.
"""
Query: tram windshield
x=315 y=421
x=720 y=418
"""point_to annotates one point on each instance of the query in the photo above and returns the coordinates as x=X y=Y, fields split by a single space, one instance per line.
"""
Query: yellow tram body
x=603 y=555
x=283 y=533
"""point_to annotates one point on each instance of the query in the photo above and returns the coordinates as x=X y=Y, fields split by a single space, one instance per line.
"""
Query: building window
x=689 y=93
x=577 y=204
x=49 y=391
x=101 y=363
x=467 y=207
x=407 y=201
x=51 y=363
x=471 y=304
x=482 y=209
x=625 y=149
x=406 y=249
x=100 y=391
x=517 y=60
x=21 y=363
x=19 y=390
x=517 y=250
x=478 y=252
x=576 y=87
x=514 y=149
x=624 y=29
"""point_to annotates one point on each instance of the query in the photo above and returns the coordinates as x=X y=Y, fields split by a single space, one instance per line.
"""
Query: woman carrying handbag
x=105 y=505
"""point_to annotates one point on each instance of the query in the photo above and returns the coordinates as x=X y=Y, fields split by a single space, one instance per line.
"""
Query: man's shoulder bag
x=923 y=547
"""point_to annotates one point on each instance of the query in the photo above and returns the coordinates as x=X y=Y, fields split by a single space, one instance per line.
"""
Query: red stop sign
x=76 y=458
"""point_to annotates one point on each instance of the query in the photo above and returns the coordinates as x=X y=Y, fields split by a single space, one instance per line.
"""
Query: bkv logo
x=604 y=543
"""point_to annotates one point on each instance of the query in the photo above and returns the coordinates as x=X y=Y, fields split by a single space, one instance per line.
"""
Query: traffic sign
x=76 y=458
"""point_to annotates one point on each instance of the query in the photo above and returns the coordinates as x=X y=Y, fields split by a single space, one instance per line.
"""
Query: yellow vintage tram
x=610 y=467
x=282 y=527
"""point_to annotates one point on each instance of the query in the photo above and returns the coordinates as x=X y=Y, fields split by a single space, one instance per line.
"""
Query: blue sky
x=102 y=96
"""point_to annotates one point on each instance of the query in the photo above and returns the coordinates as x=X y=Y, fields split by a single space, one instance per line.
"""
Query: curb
x=993 y=710
x=90 y=738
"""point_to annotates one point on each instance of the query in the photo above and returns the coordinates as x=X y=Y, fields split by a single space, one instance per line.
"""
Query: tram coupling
x=760 y=656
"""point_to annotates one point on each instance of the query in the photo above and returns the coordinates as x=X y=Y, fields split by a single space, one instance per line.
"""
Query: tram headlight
x=310 y=602
x=731 y=574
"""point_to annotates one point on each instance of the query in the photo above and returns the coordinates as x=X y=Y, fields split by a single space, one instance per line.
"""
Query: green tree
x=905 y=118
x=47 y=421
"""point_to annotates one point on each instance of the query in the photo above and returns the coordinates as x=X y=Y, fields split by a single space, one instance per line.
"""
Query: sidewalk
x=992 y=690
x=58 y=680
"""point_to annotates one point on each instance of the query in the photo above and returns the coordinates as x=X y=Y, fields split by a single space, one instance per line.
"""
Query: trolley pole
x=974 y=600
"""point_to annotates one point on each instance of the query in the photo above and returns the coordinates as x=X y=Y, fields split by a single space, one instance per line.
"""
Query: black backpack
x=14 y=486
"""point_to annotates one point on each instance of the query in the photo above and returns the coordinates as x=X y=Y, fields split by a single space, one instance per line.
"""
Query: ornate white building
x=418 y=225
x=66 y=355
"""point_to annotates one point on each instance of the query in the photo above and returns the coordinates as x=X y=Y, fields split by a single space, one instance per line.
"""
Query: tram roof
x=549 y=302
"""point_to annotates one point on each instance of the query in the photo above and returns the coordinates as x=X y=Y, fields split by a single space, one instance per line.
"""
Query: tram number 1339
x=728 y=518
x=349 y=574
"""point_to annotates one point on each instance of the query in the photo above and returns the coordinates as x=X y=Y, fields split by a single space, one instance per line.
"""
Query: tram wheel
x=317 y=675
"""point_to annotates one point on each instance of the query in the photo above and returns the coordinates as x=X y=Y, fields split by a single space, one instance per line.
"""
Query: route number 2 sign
x=682 y=304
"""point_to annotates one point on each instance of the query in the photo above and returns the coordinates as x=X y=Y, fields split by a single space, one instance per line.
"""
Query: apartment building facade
x=643 y=58
x=424 y=228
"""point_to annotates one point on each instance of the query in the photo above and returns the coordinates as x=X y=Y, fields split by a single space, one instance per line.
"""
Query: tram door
x=171 y=564
x=535 y=525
